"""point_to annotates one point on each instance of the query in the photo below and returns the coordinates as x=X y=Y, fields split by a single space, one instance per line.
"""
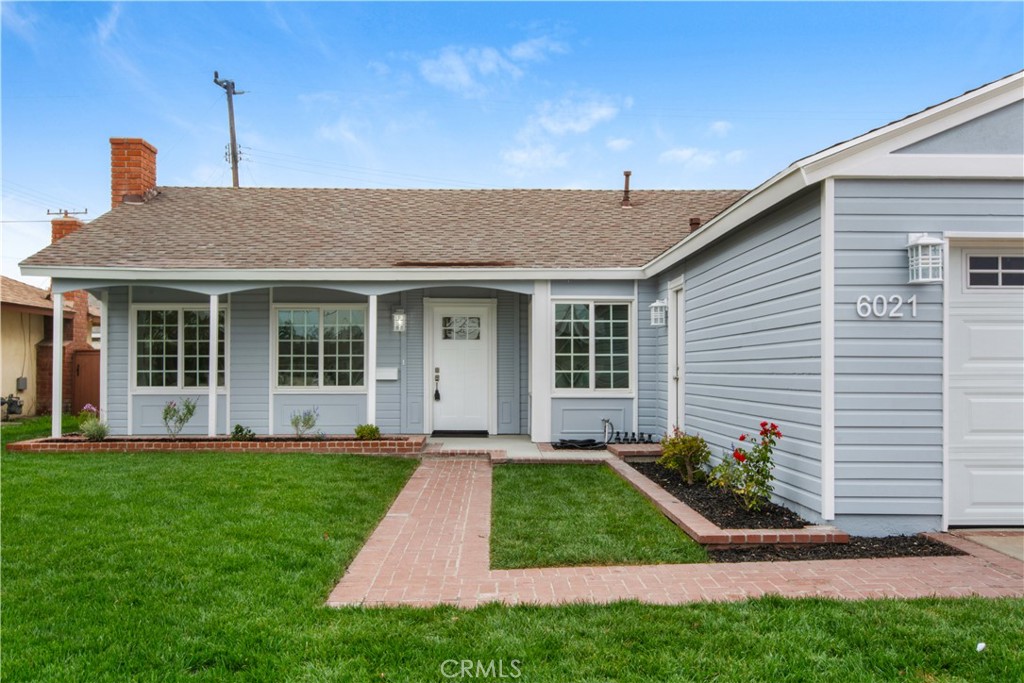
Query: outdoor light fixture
x=398 y=320
x=924 y=254
x=659 y=313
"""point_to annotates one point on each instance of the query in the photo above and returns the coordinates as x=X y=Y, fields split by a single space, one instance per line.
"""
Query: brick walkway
x=433 y=548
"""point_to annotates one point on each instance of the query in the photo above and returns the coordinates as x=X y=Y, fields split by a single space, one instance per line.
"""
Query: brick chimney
x=132 y=170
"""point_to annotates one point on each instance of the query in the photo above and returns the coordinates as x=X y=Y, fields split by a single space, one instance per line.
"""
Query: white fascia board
x=991 y=166
x=331 y=275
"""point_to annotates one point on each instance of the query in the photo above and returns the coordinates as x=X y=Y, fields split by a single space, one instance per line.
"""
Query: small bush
x=367 y=432
x=749 y=474
x=684 y=453
x=240 y=433
x=94 y=430
x=305 y=422
x=175 y=418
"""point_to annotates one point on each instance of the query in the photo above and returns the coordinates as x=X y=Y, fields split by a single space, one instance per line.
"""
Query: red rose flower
x=775 y=427
x=764 y=424
x=738 y=454
x=743 y=437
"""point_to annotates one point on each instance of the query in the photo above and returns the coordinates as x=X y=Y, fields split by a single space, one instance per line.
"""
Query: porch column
x=104 y=351
x=214 y=334
x=370 y=366
x=541 y=371
x=57 y=368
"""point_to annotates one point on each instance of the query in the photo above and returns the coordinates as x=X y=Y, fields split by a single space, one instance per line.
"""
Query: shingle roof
x=274 y=228
x=20 y=294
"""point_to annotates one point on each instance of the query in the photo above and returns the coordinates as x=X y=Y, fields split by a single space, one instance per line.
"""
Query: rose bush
x=748 y=474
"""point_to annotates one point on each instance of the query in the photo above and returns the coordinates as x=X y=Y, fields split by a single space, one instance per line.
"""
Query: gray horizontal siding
x=652 y=364
x=250 y=360
x=116 y=358
x=889 y=371
x=753 y=343
x=339 y=413
x=509 y=378
x=147 y=413
x=389 y=355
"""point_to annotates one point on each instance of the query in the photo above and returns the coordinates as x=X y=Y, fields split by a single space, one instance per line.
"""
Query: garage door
x=986 y=386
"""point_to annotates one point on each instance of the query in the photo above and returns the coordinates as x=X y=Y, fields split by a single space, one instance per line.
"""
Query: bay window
x=592 y=347
x=321 y=346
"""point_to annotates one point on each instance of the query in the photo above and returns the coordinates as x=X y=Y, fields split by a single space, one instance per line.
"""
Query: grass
x=214 y=567
x=575 y=515
x=34 y=428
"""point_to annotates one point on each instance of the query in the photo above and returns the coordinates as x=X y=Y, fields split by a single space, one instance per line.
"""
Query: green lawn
x=34 y=428
x=214 y=567
x=576 y=515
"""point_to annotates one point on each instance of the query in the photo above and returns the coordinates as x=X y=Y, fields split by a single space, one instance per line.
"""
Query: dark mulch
x=719 y=506
x=859 y=547
x=723 y=508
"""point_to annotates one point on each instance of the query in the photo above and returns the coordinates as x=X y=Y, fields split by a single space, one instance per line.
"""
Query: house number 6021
x=881 y=306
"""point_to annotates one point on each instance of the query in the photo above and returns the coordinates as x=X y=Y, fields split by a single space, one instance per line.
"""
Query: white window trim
x=135 y=389
x=593 y=392
x=320 y=388
x=967 y=287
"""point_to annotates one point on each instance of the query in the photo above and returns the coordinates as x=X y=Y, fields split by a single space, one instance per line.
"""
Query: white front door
x=460 y=369
x=986 y=386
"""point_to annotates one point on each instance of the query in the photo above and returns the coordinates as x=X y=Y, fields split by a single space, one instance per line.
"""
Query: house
x=542 y=312
x=26 y=324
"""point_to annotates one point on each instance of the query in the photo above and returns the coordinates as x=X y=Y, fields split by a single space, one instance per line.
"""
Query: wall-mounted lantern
x=924 y=255
x=398 y=320
x=659 y=313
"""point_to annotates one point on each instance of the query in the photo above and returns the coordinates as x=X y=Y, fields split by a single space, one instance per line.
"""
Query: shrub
x=305 y=422
x=748 y=474
x=684 y=453
x=240 y=433
x=175 y=417
x=88 y=411
x=367 y=432
x=94 y=430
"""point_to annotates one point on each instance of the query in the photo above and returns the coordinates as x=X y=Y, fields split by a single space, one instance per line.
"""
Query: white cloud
x=536 y=49
x=540 y=157
x=690 y=156
x=340 y=131
x=19 y=19
x=107 y=27
x=719 y=128
x=458 y=69
x=379 y=69
x=574 y=116
x=736 y=156
x=618 y=144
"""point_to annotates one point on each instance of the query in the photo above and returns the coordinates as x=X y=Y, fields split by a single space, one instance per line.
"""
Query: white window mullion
x=181 y=347
x=320 y=348
x=591 y=365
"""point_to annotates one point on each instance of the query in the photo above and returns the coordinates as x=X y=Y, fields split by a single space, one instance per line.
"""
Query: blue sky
x=686 y=95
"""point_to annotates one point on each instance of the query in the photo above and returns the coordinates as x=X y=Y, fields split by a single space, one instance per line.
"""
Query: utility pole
x=229 y=88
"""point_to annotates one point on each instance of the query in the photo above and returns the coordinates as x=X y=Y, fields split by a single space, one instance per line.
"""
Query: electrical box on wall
x=387 y=374
x=21 y=384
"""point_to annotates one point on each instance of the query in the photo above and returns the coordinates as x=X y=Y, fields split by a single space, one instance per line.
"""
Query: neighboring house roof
x=268 y=228
x=17 y=294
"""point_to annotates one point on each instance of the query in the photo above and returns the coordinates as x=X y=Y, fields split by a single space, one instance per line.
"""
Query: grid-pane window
x=995 y=271
x=196 y=348
x=156 y=348
x=298 y=347
x=344 y=330
x=611 y=346
x=572 y=346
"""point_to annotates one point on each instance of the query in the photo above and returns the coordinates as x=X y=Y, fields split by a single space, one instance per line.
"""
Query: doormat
x=455 y=433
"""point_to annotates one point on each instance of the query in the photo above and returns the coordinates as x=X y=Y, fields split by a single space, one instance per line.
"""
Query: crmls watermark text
x=475 y=668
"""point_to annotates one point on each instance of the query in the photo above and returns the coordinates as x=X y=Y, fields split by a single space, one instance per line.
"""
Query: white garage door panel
x=986 y=397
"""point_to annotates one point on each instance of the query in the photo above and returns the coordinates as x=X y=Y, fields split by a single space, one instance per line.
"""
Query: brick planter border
x=709 y=534
x=406 y=446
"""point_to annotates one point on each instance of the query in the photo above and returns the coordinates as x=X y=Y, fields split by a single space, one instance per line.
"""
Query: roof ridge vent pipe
x=625 y=191
x=694 y=223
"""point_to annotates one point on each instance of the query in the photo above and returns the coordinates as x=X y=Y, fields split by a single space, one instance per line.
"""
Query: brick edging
x=709 y=534
x=405 y=446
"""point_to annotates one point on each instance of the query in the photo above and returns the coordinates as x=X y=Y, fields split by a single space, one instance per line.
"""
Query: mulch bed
x=722 y=508
x=719 y=506
x=859 y=547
